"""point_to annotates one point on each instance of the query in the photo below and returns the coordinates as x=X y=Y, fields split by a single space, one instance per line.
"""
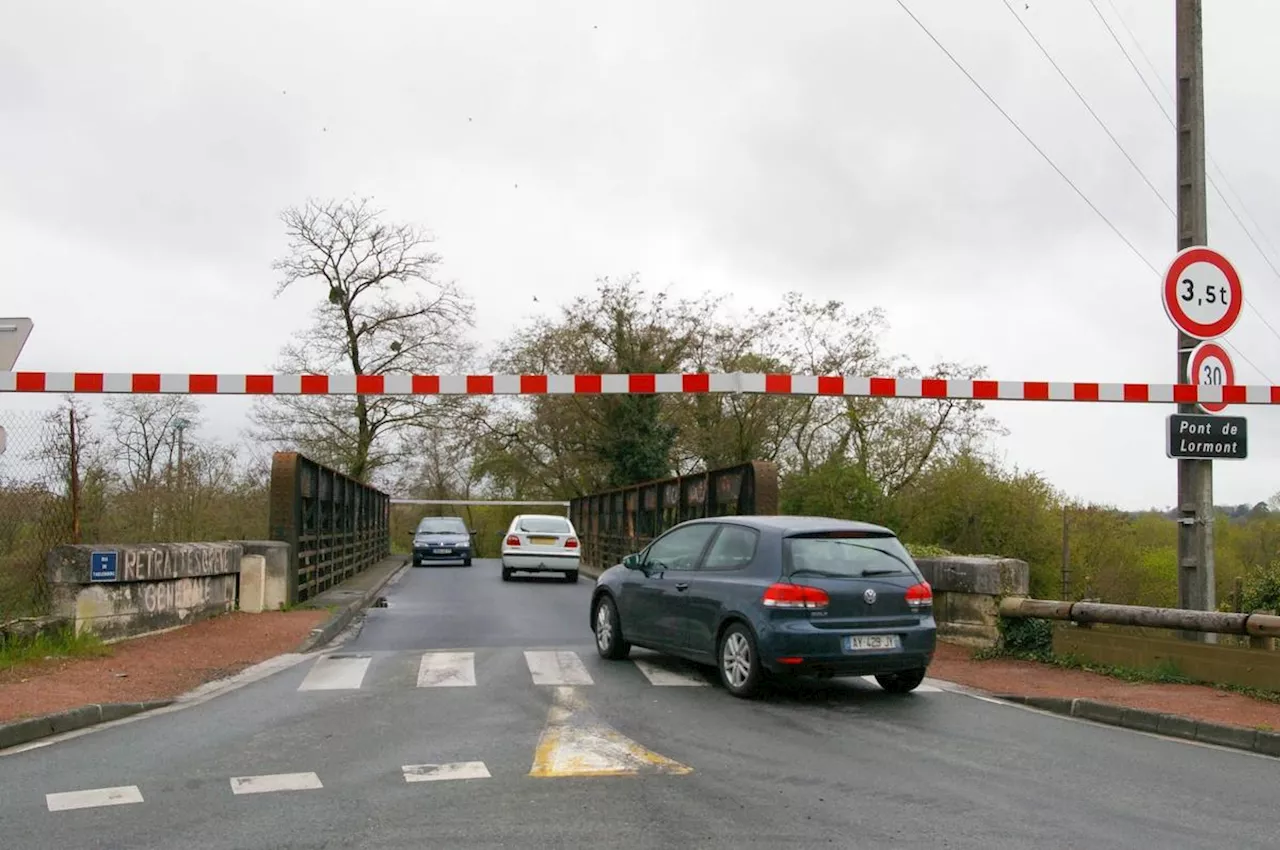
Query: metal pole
x=74 y=471
x=1195 y=477
x=1066 y=556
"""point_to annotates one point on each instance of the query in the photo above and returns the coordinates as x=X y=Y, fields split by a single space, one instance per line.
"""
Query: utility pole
x=1196 y=588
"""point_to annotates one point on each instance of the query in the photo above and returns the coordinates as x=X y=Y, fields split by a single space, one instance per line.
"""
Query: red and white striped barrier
x=801 y=385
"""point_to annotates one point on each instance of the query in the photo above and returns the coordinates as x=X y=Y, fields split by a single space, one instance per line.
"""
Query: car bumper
x=441 y=553
x=542 y=562
x=822 y=651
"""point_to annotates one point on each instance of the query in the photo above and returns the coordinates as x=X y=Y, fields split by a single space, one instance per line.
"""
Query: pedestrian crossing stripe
x=546 y=668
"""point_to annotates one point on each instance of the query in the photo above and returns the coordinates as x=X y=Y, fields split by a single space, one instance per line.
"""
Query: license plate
x=442 y=551
x=858 y=643
x=542 y=541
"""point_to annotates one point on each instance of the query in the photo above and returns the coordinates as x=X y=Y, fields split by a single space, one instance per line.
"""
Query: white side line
x=557 y=668
x=920 y=689
x=93 y=798
x=447 y=670
x=439 y=772
x=664 y=676
x=274 y=782
x=339 y=673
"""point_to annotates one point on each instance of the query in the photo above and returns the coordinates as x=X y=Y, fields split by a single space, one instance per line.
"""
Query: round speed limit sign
x=1202 y=293
x=1210 y=366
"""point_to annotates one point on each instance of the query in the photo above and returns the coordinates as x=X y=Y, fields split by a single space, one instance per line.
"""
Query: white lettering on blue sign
x=103 y=566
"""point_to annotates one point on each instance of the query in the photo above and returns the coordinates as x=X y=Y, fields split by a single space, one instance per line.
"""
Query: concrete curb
x=1173 y=726
x=343 y=616
x=33 y=728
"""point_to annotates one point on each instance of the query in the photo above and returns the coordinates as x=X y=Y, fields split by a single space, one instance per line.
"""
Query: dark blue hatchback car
x=773 y=595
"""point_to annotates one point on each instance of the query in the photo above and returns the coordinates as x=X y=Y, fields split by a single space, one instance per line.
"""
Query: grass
x=63 y=643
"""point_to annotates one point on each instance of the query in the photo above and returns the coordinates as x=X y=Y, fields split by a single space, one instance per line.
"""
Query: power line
x=1132 y=64
x=1063 y=74
x=1028 y=139
x=1137 y=42
x=1016 y=126
x=1225 y=200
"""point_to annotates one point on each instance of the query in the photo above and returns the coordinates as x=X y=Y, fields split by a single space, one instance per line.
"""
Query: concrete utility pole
x=1196 y=588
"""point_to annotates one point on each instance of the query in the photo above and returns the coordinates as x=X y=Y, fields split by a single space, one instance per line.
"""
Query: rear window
x=442 y=525
x=544 y=525
x=846 y=555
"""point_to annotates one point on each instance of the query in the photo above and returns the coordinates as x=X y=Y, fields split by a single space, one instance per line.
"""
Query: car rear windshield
x=544 y=525
x=845 y=554
x=442 y=525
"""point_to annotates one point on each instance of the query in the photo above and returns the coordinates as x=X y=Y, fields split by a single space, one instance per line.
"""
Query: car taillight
x=784 y=595
x=512 y=540
x=920 y=595
x=571 y=543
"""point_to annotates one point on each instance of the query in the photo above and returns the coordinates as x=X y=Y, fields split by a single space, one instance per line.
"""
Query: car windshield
x=845 y=554
x=544 y=525
x=442 y=525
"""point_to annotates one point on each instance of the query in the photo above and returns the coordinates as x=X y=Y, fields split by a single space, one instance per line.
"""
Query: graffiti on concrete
x=172 y=562
x=187 y=593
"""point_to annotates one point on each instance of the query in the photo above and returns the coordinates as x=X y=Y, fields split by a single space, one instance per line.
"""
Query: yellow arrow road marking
x=573 y=744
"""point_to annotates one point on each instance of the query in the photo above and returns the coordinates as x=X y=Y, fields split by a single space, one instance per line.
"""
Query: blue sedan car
x=757 y=596
x=442 y=538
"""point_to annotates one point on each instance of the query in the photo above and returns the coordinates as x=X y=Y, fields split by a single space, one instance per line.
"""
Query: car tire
x=571 y=576
x=738 y=661
x=466 y=562
x=608 y=631
x=417 y=563
x=506 y=574
x=901 y=683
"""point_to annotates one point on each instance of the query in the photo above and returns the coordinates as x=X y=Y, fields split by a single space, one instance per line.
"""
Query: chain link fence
x=66 y=478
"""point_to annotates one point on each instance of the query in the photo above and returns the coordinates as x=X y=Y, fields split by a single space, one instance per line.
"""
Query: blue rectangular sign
x=102 y=566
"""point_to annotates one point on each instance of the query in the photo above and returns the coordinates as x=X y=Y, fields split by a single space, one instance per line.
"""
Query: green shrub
x=1026 y=637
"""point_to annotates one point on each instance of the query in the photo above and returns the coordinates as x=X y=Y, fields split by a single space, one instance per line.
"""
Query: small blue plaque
x=102 y=566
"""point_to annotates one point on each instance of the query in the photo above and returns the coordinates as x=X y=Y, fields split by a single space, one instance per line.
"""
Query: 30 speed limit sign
x=1210 y=366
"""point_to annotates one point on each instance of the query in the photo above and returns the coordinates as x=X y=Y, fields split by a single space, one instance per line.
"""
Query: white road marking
x=93 y=798
x=663 y=676
x=447 y=670
x=275 y=782
x=557 y=668
x=442 y=772
x=920 y=689
x=336 y=673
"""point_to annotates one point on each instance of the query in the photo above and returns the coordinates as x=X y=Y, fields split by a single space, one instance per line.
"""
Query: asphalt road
x=620 y=761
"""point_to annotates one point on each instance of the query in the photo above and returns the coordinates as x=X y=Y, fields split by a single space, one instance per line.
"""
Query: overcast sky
x=146 y=149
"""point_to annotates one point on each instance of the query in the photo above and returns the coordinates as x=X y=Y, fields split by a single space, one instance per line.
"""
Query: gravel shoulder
x=1028 y=678
x=158 y=666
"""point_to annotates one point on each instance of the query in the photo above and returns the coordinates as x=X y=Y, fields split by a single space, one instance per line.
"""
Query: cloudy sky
x=146 y=149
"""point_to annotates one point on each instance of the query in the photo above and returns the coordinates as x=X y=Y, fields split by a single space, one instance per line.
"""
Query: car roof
x=785 y=525
x=541 y=516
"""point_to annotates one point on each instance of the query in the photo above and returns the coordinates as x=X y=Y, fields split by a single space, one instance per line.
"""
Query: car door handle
x=682 y=585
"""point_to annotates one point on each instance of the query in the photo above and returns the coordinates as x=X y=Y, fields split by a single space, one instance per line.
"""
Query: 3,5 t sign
x=1202 y=294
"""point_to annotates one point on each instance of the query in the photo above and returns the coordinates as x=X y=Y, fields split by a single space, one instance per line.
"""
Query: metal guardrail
x=335 y=525
x=617 y=522
x=1179 y=619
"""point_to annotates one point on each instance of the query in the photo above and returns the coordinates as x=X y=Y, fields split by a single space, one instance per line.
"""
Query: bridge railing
x=336 y=526
x=617 y=522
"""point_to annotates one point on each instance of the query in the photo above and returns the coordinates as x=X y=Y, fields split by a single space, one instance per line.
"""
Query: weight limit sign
x=1210 y=366
x=1202 y=294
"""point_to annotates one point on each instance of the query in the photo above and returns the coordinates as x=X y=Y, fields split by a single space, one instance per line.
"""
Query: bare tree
x=383 y=311
x=145 y=430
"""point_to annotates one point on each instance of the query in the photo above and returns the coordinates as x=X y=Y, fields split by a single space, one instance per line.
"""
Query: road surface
x=472 y=713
